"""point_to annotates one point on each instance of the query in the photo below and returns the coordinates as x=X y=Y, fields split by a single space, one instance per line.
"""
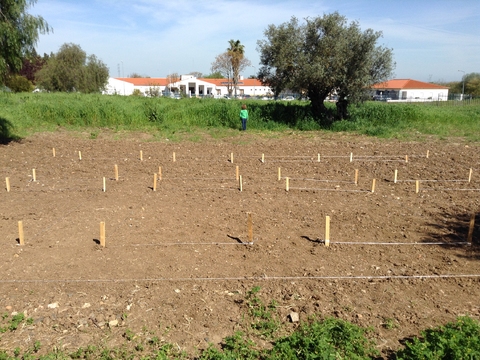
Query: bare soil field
x=179 y=261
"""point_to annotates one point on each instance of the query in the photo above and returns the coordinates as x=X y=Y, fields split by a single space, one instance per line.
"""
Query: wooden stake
x=116 y=172
x=174 y=157
x=287 y=184
x=155 y=182
x=102 y=234
x=79 y=155
x=356 y=176
x=160 y=173
x=417 y=186
x=279 y=174
x=34 y=175
x=21 y=237
x=373 y=185
x=263 y=158
x=327 y=231
x=7 y=183
x=428 y=152
x=395 y=176
x=250 y=227
x=406 y=158
x=470 y=228
x=104 y=184
x=240 y=185
x=237 y=172
x=318 y=157
x=231 y=157
x=141 y=155
x=53 y=152
x=470 y=175
x=351 y=157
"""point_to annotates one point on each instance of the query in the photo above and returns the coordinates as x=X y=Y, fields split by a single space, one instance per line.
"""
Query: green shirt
x=244 y=114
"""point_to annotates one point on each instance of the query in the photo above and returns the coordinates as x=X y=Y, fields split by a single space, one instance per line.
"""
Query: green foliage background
x=25 y=113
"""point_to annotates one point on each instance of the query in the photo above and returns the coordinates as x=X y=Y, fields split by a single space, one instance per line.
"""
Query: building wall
x=188 y=85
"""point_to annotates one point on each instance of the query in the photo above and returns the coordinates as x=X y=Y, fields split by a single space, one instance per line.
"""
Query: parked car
x=288 y=98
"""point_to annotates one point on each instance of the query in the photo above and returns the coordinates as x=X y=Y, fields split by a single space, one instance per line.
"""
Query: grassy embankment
x=23 y=114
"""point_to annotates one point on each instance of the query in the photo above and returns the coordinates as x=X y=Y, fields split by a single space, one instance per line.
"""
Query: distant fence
x=453 y=100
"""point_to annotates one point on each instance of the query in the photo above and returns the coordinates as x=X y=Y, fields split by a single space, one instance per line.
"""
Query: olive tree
x=324 y=56
x=19 y=32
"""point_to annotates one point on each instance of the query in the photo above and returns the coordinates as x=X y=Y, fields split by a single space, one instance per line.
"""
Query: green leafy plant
x=328 y=339
x=264 y=317
x=234 y=347
x=455 y=340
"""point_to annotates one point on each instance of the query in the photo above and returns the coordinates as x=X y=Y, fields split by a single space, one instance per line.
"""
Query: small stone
x=53 y=305
x=294 y=317
x=177 y=290
x=113 y=323
x=8 y=307
x=86 y=305
x=359 y=316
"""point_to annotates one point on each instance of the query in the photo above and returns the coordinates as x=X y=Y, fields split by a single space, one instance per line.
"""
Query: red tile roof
x=164 y=81
x=406 y=84
x=145 y=81
x=244 y=82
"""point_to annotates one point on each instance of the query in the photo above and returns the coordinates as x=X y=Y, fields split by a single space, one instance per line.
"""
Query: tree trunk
x=342 y=108
x=319 y=110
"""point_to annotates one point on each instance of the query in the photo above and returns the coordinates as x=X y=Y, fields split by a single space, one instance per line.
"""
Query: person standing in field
x=244 y=117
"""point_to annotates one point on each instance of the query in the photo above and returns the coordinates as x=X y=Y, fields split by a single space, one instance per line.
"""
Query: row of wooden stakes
x=326 y=241
x=158 y=176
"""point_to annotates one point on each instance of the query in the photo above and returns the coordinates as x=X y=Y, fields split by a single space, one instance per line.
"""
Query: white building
x=409 y=90
x=187 y=84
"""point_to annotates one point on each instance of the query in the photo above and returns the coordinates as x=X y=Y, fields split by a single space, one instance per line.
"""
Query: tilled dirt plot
x=179 y=261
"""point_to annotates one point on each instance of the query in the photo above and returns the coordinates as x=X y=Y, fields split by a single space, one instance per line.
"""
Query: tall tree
x=322 y=57
x=472 y=84
x=71 y=70
x=19 y=32
x=223 y=66
x=236 y=52
x=214 y=75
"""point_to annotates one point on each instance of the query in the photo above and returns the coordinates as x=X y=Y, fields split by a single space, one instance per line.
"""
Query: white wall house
x=409 y=90
x=187 y=84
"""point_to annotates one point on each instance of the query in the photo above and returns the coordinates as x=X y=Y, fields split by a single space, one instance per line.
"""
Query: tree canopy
x=19 y=34
x=323 y=57
x=72 y=70
x=230 y=63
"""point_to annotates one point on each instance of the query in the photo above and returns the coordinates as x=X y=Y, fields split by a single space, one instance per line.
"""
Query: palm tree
x=236 y=52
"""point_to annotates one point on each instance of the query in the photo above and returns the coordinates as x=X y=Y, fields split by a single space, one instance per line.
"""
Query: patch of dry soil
x=178 y=261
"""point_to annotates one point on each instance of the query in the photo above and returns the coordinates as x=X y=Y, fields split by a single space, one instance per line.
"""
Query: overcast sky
x=431 y=39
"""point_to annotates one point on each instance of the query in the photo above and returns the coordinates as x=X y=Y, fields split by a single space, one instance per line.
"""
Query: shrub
x=456 y=340
x=329 y=339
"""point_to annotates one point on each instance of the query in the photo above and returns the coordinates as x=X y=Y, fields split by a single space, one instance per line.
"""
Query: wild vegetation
x=317 y=338
x=22 y=114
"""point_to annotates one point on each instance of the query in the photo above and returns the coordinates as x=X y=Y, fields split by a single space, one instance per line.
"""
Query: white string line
x=447 y=189
x=243 y=278
x=432 y=181
x=194 y=178
x=31 y=246
x=458 y=243
x=339 y=190
x=320 y=180
x=442 y=243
